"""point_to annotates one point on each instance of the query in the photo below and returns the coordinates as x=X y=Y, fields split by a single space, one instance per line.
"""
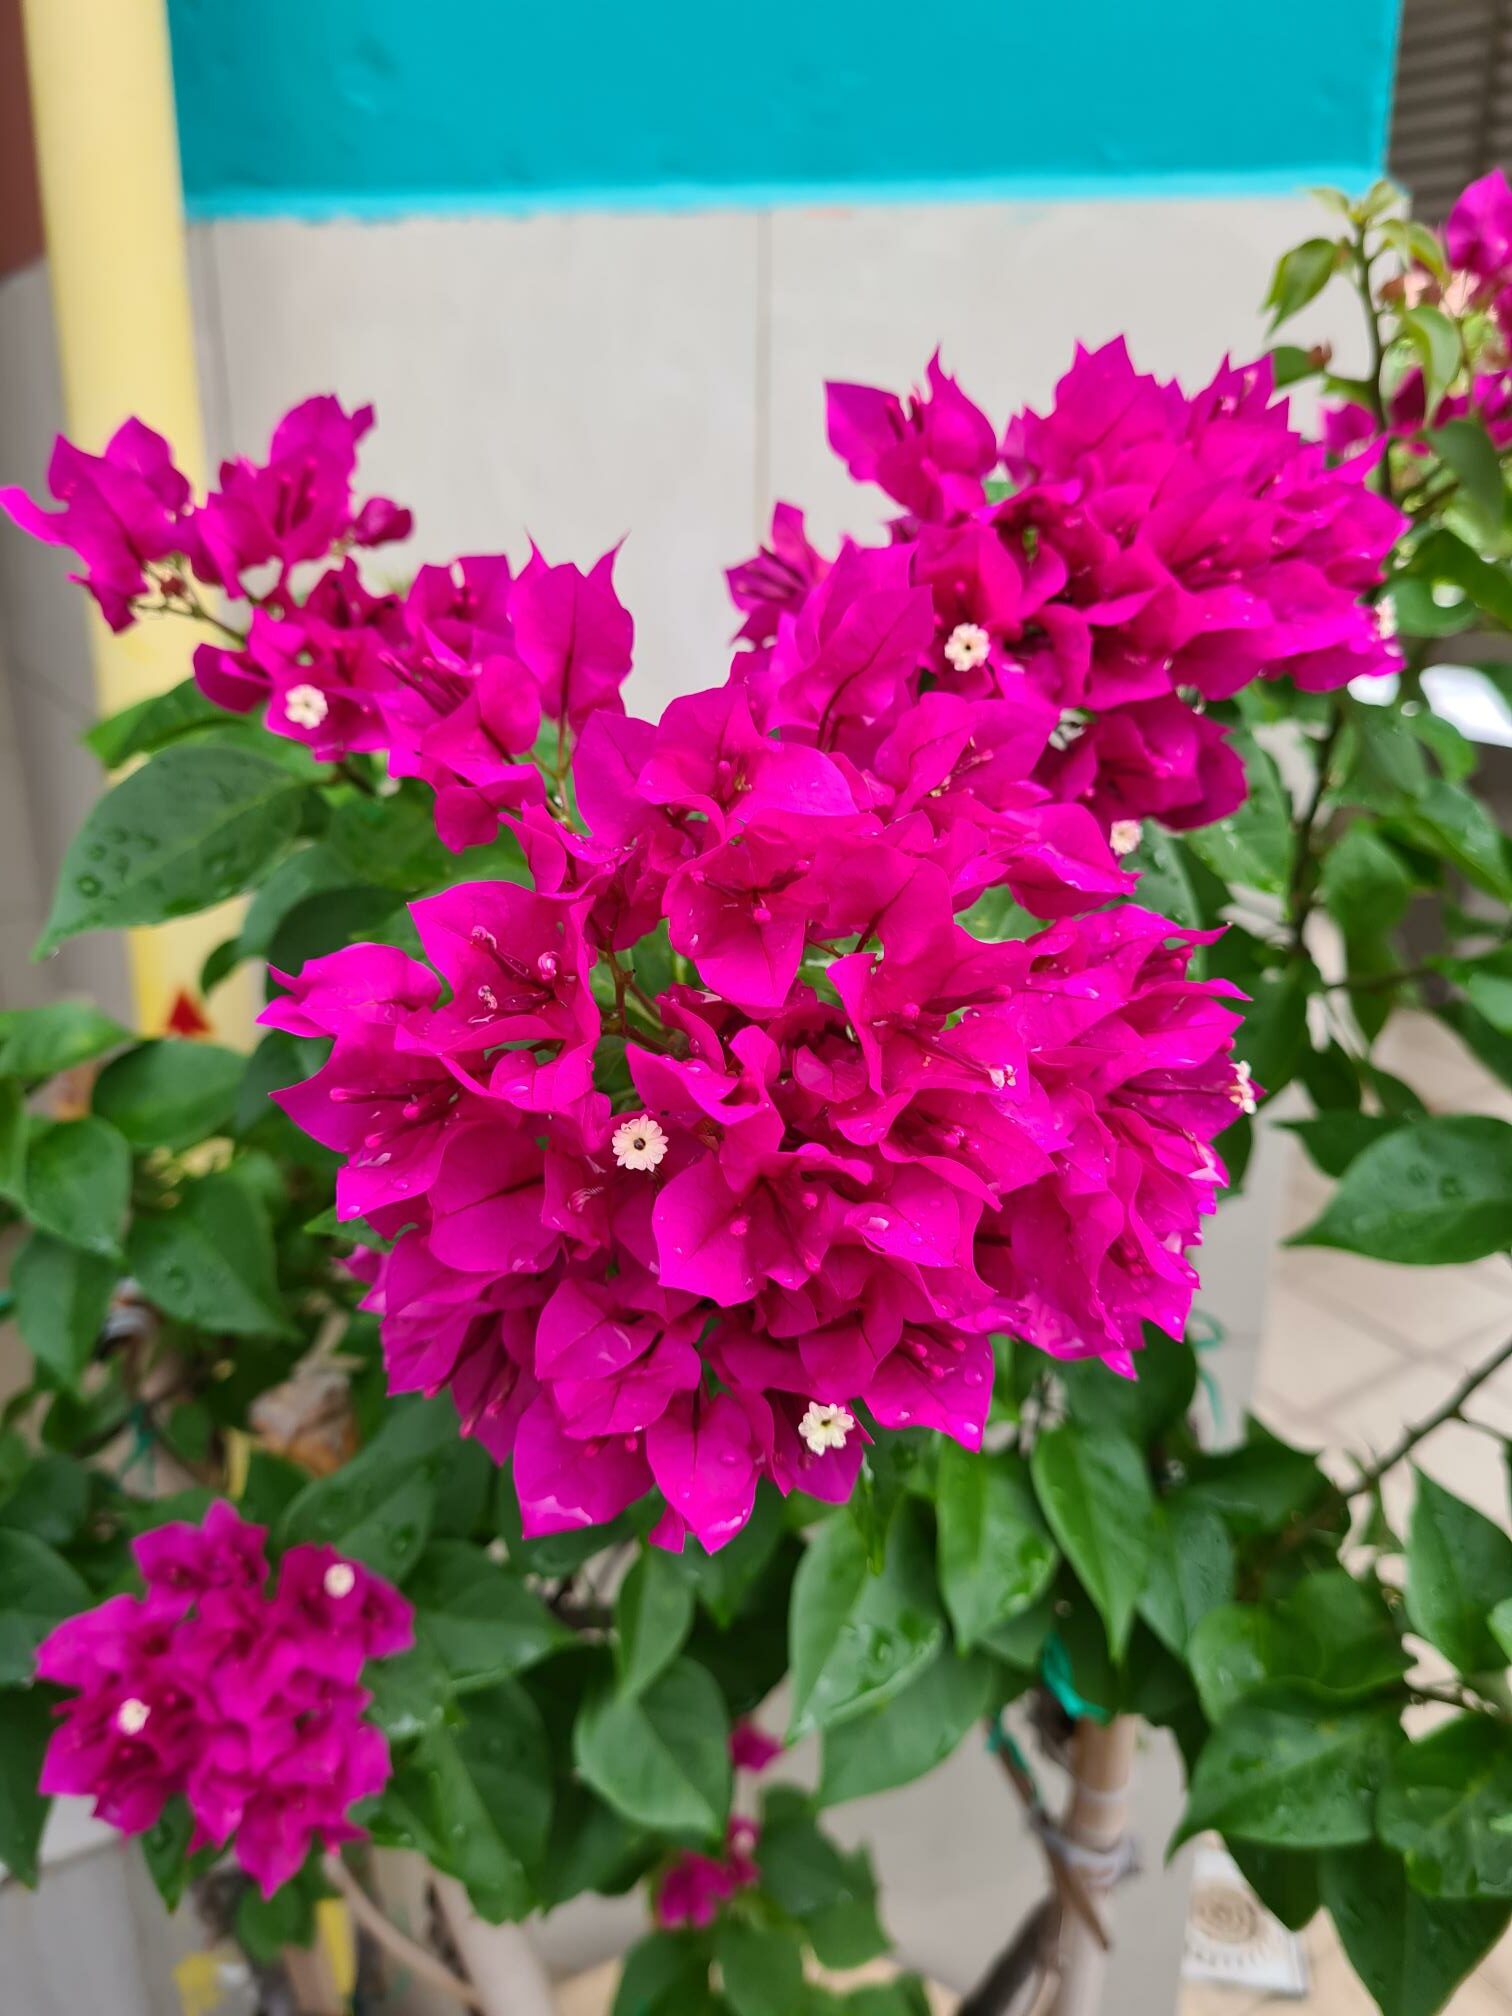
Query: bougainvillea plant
x=716 y=1198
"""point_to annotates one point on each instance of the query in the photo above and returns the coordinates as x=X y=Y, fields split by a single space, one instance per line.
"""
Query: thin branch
x=409 y=1952
x=1299 y=901
x=1449 y=1411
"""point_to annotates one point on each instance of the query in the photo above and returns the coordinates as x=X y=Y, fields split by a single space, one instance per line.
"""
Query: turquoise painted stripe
x=388 y=107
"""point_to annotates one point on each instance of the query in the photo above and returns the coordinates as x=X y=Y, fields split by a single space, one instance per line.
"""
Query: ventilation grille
x=1452 y=119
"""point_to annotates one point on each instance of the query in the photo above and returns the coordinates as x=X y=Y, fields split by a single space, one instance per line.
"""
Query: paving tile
x=1313 y=1355
x=1423 y=1310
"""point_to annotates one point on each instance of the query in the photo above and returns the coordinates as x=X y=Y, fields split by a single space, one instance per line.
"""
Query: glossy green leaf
x=38 y=1589
x=1436 y=340
x=152 y=724
x=1095 y=1492
x=1330 y=1636
x=191 y=827
x=665 y=1974
x=26 y=1724
x=1459 y=1568
x=1410 y=1951
x=40 y=1042
x=378 y=1508
x=62 y=1297
x=1437 y=1192
x=170 y=1094
x=1261 y=1485
x=1334 y=1140
x=653 y=1614
x=1300 y=276
x=1191 y=1570
x=661 y=1757
x=1142 y=1408
x=857 y=1636
x=994 y=1551
x=1364 y=883
x=77 y=1183
x=1251 y=846
x=50 y=1500
x=481 y=1621
x=761 y=1968
x=209 y=1260
x=1287 y=1772
x=1445 y=1807
x=480 y=1796
x=1286 y=1882
x=908 y=1735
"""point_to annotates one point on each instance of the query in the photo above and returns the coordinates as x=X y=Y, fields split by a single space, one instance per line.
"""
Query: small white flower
x=638 y=1143
x=1386 y=616
x=306 y=706
x=967 y=646
x=489 y=999
x=824 y=1427
x=340 y=1579
x=1124 y=835
x=1241 y=1091
x=132 y=1716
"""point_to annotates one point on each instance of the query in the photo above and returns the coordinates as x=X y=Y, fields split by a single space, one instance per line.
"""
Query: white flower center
x=1124 y=835
x=967 y=646
x=340 y=1579
x=638 y=1143
x=306 y=706
x=1241 y=1091
x=825 y=1427
x=131 y=1717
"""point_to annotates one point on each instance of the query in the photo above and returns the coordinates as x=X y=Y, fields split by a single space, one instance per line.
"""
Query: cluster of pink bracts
x=245 y=1701
x=690 y=1235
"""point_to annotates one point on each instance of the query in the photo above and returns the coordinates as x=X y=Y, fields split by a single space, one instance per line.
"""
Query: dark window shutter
x=1452 y=119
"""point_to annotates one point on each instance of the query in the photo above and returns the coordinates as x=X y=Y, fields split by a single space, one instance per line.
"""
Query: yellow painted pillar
x=112 y=208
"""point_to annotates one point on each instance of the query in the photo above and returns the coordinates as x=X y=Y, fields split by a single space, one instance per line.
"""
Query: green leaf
x=661 y=1757
x=50 y=1501
x=1444 y=557
x=832 y=1894
x=1410 y=1951
x=1451 y=822
x=26 y=1724
x=378 y=1508
x=1251 y=846
x=1465 y=447
x=1434 y=1193
x=762 y=1969
x=724 y=1581
x=994 y=1551
x=1445 y=1805
x=908 y=1735
x=1436 y=340
x=1260 y=1486
x=663 y=1976
x=1290 y=364
x=1287 y=1772
x=1334 y=1140
x=1300 y=276
x=191 y=827
x=1481 y=1038
x=857 y=1637
x=411 y=1693
x=264 y=1926
x=209 y=1261
x=1500 y=1622
x=1286 y=1883
x=40 y=1042
x=1165 y=882
x=479 y=1800
x=653 y=1614
x=1365 y=883
x=165 y=1850
x=62 y=1298
x=1459 y=1568
x=1191 y=1570
x=1095 y=1492
x=1329 y=1637
x=1142 y=1408
x=77 y=1183
x=152 y=724
x=38 y=1589
x=170 y=1094
x=482 y=1621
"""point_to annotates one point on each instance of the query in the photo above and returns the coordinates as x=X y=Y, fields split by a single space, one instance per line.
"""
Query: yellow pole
x=112 y=207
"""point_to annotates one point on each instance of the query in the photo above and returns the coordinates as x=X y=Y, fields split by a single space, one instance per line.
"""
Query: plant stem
x=348 y=770
x=408 y=1952
x=1299 y=902
x=1449 y=1411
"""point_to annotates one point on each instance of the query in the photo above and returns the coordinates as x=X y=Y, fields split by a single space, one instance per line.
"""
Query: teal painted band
x=386 y=107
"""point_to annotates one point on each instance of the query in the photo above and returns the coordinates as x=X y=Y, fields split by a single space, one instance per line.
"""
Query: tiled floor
x=1352 y=1353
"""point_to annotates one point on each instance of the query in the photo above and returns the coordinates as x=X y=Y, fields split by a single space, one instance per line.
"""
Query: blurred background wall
x=592 y=263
